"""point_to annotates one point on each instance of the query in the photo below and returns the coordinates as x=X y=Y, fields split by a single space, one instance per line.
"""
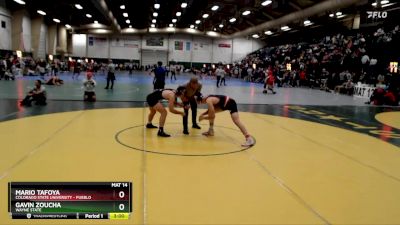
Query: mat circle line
x=117 y=135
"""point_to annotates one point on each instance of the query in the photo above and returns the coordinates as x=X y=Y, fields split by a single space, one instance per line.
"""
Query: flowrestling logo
x=377 y=15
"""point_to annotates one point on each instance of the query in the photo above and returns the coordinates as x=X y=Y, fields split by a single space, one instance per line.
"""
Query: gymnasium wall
x=98 y=46
x=27 y=33
x=5 y=33
x=79 y=45
x=124 y=47
x=178 y=47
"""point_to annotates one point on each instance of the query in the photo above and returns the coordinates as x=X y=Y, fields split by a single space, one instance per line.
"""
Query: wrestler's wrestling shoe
x=249 y=142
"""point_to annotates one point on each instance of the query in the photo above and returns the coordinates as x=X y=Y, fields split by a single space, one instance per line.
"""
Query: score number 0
x=121 y=206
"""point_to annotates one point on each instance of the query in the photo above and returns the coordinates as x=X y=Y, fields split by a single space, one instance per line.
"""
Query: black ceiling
x=63 y=10
x=141 y=12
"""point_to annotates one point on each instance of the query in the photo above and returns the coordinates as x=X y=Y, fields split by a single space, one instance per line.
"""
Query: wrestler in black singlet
x=153 y=98
x=225 y=103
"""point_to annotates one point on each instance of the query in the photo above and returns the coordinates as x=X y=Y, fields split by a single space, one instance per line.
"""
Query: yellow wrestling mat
x=298 y=172
x=389 y=118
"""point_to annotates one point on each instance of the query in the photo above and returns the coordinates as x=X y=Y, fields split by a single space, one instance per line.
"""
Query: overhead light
x=153 y=25
x=192 y=26
x=88 y=16
x=268 y=32
x=41 y=12
x=171 y=25
x=215 y=29
x=155 y=14
x=122 y=7
x=339 y=13
x=153 y=20
x=374 y=4
x=386 y=5
x=205 y=15
x=215 y=8
x=102 y=31
x=20 y=2
x=130 y=26
x=125 y=14
x=212 y=33
x=96 y=24
x=331 y=15
x=307 y=22
x=184 y=5
x=174 y=20
x=197 y=21
x=255 y=36
x=383 y=2
x=195 y=27
x=285 y=28
x=156 y=6
x=128 y=21
x=178 y=14
x=130 y=29
x=78 y=6
x=221 y=25
x=245 y=13
x=341 y=16
x=232 y=20
x=265 y=3
x=56 y=20
x=68 y=26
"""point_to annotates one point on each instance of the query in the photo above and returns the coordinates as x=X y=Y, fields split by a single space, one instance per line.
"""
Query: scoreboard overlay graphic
x=70 y=200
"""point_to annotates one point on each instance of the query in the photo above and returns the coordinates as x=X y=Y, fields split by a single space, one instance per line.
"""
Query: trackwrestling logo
x=377 y=15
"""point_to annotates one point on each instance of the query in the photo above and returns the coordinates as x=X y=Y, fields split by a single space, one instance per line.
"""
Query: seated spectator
x=392 y=95
x=345 y=88
x=377 y=97
x=244 y=73
x=9 y=76
x=331 y=82
x=390 y=98
x=302 y=78
x=37 y=94
x=324 y=79
x=89 y=84
x=3 y=65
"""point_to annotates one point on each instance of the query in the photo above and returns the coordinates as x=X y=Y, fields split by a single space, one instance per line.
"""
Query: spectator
x=269 y=82
x=220 y=72
x=110 y=74
x=159 y=76
x=173 y=71
x=89 y=85
x=37 y=94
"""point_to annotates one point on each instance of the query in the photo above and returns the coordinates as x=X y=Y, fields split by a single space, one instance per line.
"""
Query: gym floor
x=319 y=158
